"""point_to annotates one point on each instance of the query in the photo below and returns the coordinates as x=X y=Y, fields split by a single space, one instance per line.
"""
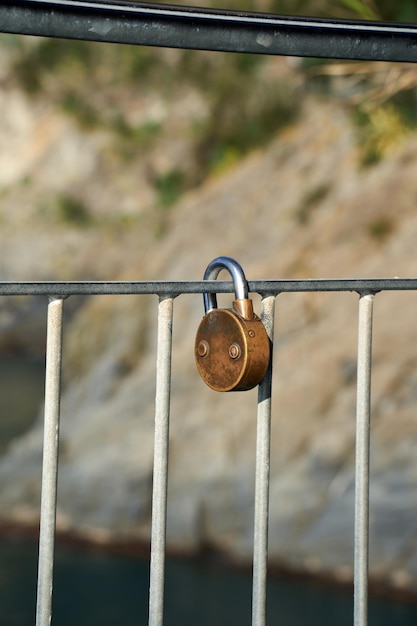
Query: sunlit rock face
x=304 y=206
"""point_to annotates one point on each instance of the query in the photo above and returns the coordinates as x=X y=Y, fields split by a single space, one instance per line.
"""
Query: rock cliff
x=304 y=206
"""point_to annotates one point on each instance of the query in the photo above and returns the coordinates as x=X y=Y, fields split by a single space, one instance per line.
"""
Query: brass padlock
x=232 y=347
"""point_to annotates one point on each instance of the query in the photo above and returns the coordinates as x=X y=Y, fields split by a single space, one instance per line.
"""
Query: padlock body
x=231 y=353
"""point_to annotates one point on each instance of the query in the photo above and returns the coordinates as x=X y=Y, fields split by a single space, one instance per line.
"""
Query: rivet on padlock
x=231 y=347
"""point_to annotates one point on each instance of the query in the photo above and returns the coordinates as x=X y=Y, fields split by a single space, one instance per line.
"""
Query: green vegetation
x=388 y=10
x=242 y=118
x=76 y=106
x=92 y=82
x=100 y=85
x=170 y=187
x=81 y=64
x=310 y=202
x=70 y=210
x=366 y=10
x=129 y=139
x=381 y=228
x=381 y=129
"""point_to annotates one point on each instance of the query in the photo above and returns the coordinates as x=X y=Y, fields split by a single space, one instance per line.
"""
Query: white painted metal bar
x=363 y=416
x=50 y=462
x=263 y=446
x=160 y=471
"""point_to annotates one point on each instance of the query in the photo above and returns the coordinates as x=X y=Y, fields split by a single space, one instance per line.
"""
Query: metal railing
x=204 y=29
x=166 y=292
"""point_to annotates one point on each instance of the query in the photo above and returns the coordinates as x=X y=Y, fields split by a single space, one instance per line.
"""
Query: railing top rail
x=209 y=29
x=176 y=288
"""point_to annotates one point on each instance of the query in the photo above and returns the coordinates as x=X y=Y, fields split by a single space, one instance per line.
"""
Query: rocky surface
x=302 y=207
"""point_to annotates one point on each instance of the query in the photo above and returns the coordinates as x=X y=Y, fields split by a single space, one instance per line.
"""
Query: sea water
x=98 y=589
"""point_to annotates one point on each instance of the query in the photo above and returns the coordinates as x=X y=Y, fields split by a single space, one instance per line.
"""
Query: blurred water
x=103 y=590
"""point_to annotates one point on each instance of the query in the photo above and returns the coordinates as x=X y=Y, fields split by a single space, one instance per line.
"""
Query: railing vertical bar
x=263 y=446
x=160 y=470
x=363 y=414
x=50 y=462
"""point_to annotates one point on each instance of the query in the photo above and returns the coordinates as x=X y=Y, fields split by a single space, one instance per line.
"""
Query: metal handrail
x=209 y=29
x=175 y=288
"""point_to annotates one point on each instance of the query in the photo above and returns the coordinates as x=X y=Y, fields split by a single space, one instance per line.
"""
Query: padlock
x=232 y=348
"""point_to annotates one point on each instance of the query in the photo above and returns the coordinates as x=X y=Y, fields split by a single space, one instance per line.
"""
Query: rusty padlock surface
x=231 y=347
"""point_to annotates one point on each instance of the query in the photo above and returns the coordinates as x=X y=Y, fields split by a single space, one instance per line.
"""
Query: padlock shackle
x=237 y=274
